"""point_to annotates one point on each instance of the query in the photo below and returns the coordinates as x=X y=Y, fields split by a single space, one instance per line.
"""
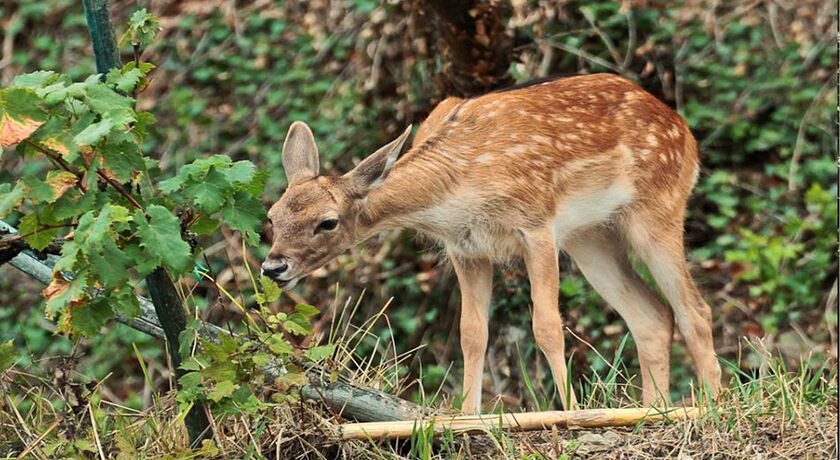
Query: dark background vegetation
x=754 y=79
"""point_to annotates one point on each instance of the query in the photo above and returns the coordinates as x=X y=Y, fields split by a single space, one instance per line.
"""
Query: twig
x=583 y=54
x=37 y=440
x=526 y=421
x=64 y=165
x=95 y=433
x=800 y=135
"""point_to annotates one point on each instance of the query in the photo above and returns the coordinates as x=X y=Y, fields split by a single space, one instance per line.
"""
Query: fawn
x=592 y=165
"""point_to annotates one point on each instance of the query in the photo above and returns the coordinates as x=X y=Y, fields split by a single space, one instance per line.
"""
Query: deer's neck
x=418 y=182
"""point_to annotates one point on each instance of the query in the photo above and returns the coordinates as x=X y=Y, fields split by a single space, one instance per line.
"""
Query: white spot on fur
x=517 y=149
x=484 y=158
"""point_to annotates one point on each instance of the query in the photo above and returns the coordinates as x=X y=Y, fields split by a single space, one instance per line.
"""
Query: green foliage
x=227 y=374
x=142 y=28
x=120 y=215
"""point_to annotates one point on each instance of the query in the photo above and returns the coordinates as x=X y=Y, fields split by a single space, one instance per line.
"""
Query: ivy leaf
x=320 y=353
x=245 y=214
x=270 y=291
x=10 y=198
x=161 y=238
x=8 y=356
x=279 y=345
x=90 y=317
x=297 y=324
x=209 y=194
x=307 y=310
x=222 y=390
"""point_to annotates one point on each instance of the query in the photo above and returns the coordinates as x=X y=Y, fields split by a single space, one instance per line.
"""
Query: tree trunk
x=164 y=296
x=473 y=44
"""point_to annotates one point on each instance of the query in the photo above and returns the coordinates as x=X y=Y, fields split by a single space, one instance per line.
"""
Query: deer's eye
x=326 y=225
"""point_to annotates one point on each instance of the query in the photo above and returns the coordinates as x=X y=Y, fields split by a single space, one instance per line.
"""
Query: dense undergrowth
x=755 y=81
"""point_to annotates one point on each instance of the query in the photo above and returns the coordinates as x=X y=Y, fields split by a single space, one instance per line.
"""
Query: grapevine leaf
x=104 y=100
x=94 y=132
x=125 y=302
x=35 y=235
x=60 y=182
x=241 y=172
x=38 y=190
x=10 y=198
x=170 y=185
x=125 y=79
x=209 y=194
x=245 y=214
x=90 y=317
x=60 y=293
x=122 y=159
x=37 y=79
x=204 y=225
x=161 y=238
x=109 y=264
x=20 y=115
x=73 y=204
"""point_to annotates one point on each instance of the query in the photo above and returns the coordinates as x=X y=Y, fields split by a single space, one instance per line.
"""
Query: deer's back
x=573 y=151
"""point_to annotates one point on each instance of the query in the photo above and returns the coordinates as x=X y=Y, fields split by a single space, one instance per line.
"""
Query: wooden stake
x=526 y=421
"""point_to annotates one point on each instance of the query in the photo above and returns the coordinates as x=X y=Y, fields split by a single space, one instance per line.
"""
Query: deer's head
x=318 y=217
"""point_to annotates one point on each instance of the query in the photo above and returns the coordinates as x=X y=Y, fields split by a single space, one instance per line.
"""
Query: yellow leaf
x=56 y=145
x=13 y=131
x=56 y=287
x=61 y=182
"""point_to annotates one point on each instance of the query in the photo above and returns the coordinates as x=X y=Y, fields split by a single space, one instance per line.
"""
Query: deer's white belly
x=586 y=209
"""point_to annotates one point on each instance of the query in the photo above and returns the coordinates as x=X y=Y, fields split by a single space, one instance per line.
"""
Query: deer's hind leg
x=658 y=240
x=601 y=257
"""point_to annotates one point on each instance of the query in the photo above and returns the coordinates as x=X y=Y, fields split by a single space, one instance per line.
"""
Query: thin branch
x=57 y=158
x=800 y=135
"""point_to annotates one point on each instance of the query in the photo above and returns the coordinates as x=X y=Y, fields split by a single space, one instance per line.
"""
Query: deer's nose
x=274 y=268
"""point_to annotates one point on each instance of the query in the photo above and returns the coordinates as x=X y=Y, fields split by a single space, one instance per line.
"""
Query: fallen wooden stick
x=526 y=421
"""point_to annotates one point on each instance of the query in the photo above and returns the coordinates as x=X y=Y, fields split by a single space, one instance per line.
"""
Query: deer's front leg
x=475 y=278
x=544 y=274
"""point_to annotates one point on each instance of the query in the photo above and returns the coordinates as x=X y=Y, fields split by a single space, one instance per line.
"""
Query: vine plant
x=103 y=201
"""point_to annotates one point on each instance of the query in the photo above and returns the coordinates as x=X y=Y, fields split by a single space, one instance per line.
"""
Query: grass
x=775 y=412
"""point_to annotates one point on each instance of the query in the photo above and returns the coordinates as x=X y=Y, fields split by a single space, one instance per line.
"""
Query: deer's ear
x=300 y=154
x=370 y=173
